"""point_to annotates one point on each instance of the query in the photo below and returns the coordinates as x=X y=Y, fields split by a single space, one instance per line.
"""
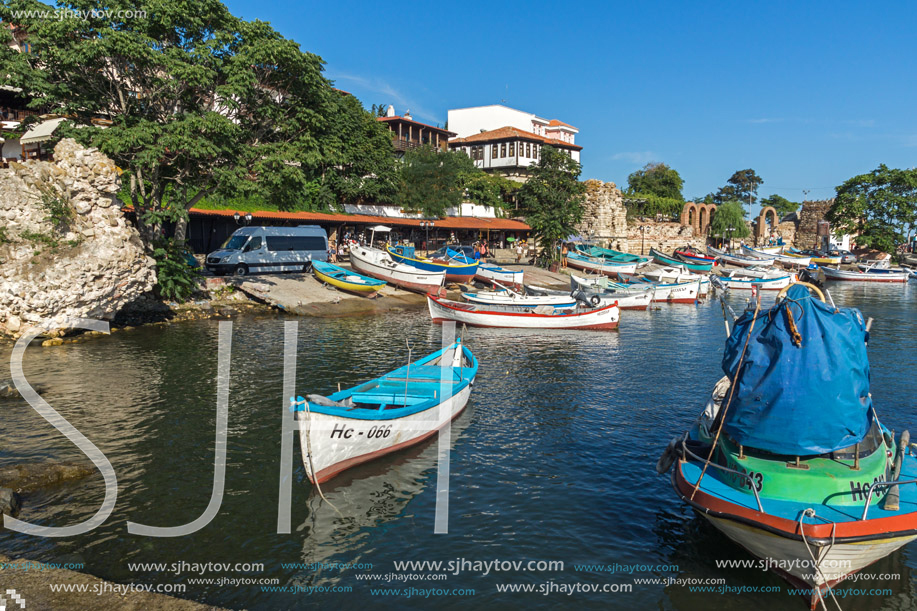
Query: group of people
x=336 y=252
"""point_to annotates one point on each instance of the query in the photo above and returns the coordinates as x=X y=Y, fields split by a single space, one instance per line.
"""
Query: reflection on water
x=553 y=459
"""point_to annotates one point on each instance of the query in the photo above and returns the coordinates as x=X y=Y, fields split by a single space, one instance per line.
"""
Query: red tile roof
x=452 y=222
x=556 y=123
x=504 y=133
x=439 y=129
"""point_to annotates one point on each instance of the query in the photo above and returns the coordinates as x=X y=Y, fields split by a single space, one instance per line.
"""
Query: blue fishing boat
x=456 y=270
x=789 y=458
x=387 y=414
x=614 y=256
x=694 y=266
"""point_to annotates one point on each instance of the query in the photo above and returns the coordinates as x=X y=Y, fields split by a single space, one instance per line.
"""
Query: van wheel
x=241 y=270
x=307 y=268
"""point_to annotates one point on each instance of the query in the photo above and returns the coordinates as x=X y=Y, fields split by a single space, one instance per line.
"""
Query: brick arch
x=761 y=224
x=689 y=215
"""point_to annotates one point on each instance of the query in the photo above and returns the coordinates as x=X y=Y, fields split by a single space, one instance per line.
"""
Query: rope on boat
x=312 y=462
x=732 y=388
x=811 y=513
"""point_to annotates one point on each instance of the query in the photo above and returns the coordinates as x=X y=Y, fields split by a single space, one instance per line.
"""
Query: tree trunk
x=181 y=230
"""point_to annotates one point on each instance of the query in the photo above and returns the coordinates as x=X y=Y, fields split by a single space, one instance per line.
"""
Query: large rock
x=31 y=476
x=10 y=503
x=98 y=265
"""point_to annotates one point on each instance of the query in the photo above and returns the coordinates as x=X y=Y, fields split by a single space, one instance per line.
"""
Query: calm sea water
x=553 y=460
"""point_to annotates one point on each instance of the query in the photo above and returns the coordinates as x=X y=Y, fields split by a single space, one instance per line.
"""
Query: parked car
x=270 y=249
x=845 y=255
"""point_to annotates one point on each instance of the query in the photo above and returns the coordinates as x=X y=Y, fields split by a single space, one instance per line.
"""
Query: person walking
x=518 y=251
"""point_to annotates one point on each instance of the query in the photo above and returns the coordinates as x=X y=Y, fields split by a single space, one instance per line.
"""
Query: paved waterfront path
x=34 y=587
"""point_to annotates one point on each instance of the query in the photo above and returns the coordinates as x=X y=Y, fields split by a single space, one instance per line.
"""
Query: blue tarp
x=799 y=400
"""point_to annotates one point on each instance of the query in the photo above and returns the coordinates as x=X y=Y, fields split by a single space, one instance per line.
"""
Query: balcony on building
x=409 y=134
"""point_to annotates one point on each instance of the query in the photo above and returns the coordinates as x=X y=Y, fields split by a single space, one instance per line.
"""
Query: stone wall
x=84 y=260
x=662 y=236
x=605 y=219
x=809 y=215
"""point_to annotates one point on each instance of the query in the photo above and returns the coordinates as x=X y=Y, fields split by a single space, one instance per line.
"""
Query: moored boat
x=761 y=284
x=455 y=270
x=739 y=260
x=870 y=275
x=692 y=254
x=662 y=292
x=389 y=413
x=541 y=317
x=378 y=264
x=599 y=265
x=760 y=253
x=494 y=273
x=614 y=256
x=789 y=459
x=508 y=297
x=346 y=280
x=694 y=266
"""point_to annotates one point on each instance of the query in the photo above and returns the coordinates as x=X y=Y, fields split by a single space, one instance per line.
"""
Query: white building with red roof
x=506 y=140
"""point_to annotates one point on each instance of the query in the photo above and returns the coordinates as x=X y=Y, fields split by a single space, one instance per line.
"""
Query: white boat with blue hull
x=384 y=415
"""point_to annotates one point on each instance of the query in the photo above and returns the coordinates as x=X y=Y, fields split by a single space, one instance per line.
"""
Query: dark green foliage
x=729 y=214
x=552 y=198
x=782 y=205
x=430 y=181
x=656 y=179
x=879 y=208
x=60 y=212
x=742 y=186
x=649 y=206
x=175 y=279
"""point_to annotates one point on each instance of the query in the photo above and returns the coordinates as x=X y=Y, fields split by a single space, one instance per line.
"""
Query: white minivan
x=270 y=249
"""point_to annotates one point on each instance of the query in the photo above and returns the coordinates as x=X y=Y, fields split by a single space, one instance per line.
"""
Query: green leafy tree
x=201 y=103
x=879 y=208
x=742 y=186
x=729 y=221
x=489 y=189
x=782 y=205
x=431 y=181
x=656 y=179
x=552 y=199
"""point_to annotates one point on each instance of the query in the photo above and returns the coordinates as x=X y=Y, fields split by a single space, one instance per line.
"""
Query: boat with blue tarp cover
x=384 y=415
x=457 y=265
x=789 y=458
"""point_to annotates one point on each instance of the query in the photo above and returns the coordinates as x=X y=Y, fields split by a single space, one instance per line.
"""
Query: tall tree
x=552 y=198
x=742 y=186
x=879 y=208
x=782 y=205
x=431 y=181
x=200 y=103
x=729 y=221
x=656 y=179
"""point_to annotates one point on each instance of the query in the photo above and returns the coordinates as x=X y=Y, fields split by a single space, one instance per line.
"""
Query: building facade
x=508 y=141
x=410 y=134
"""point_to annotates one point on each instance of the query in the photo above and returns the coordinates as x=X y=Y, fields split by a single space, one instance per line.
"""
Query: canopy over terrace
x=208 y=229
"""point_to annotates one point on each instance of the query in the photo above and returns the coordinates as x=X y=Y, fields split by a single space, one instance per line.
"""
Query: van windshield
x=235 y=242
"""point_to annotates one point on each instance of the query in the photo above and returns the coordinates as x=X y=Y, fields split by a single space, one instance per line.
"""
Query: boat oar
x=732 y=388
x=892 y=499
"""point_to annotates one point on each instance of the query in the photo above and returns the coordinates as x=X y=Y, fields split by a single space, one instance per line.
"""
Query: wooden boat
x=346 y=280
x=797 y=468
x=512 y=298
x=626 y=300
x=738 y=260
x=613 y=256
x=692 y=254
x=675 y=275
x=387 y=414
x=456 y=271
x=494 y=273
x=814 y=256
x=378 y=264
x=770 y=250
x=792 y=260
x=694 y=266
x=662 y=292
x=541 y=317
x=761 y=284
x=871 y=275
x=753 y=272
x=599 y=265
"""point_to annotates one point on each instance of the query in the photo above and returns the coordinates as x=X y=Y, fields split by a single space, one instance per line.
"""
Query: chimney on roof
x=407 y=114
x=390 y=111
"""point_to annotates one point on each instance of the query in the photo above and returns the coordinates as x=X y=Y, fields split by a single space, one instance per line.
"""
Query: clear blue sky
x=808 y=94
